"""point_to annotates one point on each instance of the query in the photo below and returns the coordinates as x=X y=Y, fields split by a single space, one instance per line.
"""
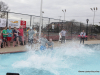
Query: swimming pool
x=65 y=60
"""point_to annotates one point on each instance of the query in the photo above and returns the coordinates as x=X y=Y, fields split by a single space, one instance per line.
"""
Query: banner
x=2 y=22
x=13 y=23
x=23 y=23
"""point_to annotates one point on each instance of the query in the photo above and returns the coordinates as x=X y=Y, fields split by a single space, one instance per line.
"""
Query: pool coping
x=12 y=52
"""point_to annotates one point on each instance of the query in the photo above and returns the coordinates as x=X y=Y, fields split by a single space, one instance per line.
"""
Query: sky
x=75 y=9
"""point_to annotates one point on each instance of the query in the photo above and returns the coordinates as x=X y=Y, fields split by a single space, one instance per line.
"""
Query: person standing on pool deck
x=50 y=44
x=44 y=43
x=35 y=35
x=0 y=39
x=14 y=36
x=30 y=35
x=27 y=34
x=82 y=36
x=4 y=37
x=9 y=37
x=63 y=35
x=21 y=34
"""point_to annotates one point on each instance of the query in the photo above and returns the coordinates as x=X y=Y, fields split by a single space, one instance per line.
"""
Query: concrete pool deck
x=56 y=44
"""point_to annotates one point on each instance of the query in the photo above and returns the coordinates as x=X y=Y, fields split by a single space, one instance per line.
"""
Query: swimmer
x=50 y=44
x=44 y=43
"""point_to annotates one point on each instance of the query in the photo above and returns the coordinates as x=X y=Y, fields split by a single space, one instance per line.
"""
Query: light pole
x=87 y=20
x=33 y=22
x=94 y=10
x=64 y=13
x=0 y=12
x=40 y=20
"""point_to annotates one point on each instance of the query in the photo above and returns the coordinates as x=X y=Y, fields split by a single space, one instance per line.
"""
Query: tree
x=4 y=9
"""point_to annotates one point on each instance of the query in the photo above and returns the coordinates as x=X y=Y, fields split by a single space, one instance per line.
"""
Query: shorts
x=30 y=41
x=4 y=39
x=42 y=47
x=8 y=38
x=21 y=38
x=15 y=39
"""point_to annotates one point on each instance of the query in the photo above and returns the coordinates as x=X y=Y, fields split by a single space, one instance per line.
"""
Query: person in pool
x=44 y=43
x=50 y=44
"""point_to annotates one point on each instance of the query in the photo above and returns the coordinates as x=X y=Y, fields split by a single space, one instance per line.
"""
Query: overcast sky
x=75 y=9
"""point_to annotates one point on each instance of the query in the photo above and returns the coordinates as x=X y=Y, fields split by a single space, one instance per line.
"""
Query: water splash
x=57 y=61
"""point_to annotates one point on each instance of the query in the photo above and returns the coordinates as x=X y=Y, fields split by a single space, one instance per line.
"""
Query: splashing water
x=63 y=60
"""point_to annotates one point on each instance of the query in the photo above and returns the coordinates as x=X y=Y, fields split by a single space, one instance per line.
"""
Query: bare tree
x=3 y=9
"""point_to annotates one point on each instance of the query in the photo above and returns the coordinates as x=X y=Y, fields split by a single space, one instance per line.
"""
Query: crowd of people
x=6 y=36
x=17 y=37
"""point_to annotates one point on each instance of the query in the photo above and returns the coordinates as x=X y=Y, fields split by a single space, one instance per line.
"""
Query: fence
x=73 y=28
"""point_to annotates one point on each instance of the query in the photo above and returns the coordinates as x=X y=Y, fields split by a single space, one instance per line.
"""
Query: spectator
x=14 y=36
x=50 y=44
x=9 y=37
x=30 y=35
x=44 y=43
x=35 y=35
x=21 y=34
x=4 y=37
x=63 y=35
x=82 y=36
x=27 y=34
x=17 y=36
x=0 y=38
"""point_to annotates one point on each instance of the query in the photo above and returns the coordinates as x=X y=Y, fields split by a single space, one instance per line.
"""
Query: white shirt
x=63 y=33
x=82 y=34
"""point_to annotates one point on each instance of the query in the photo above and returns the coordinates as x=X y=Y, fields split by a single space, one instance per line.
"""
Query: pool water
x=63 y=60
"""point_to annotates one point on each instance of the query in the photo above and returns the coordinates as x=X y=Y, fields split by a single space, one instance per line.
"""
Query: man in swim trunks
x=9 y=37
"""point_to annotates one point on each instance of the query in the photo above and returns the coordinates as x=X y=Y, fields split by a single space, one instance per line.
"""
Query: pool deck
x=56 y=44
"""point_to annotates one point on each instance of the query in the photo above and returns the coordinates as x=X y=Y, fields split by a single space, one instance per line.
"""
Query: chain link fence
x=73 y=28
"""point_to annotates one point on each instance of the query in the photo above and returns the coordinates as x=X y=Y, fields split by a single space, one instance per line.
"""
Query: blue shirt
x=9 y=31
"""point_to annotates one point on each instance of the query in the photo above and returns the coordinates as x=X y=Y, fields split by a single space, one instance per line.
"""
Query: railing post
x=48 y=28
x=7 y=20
x=30 y=19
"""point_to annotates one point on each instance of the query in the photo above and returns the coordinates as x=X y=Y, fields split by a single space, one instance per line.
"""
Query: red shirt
x=20 y=32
